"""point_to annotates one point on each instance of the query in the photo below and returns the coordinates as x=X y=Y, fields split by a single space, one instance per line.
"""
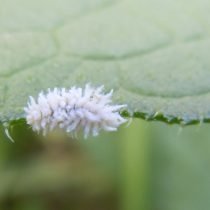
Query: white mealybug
x=87 y=109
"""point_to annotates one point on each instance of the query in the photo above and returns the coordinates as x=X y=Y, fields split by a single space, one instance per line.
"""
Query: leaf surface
x=154 y=54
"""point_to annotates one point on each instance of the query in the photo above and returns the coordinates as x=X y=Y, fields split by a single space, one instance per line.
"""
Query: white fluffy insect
x=87 y=109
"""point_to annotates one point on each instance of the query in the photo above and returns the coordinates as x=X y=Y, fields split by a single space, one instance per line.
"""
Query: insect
x=88 y=109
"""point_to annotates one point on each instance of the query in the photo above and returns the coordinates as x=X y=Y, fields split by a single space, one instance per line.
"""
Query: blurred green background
x=147 y=165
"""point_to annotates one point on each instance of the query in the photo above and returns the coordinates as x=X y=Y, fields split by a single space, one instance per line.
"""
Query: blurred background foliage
x=148 y=165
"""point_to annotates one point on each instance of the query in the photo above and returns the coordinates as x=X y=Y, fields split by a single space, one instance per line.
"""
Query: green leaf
x=154 y=54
